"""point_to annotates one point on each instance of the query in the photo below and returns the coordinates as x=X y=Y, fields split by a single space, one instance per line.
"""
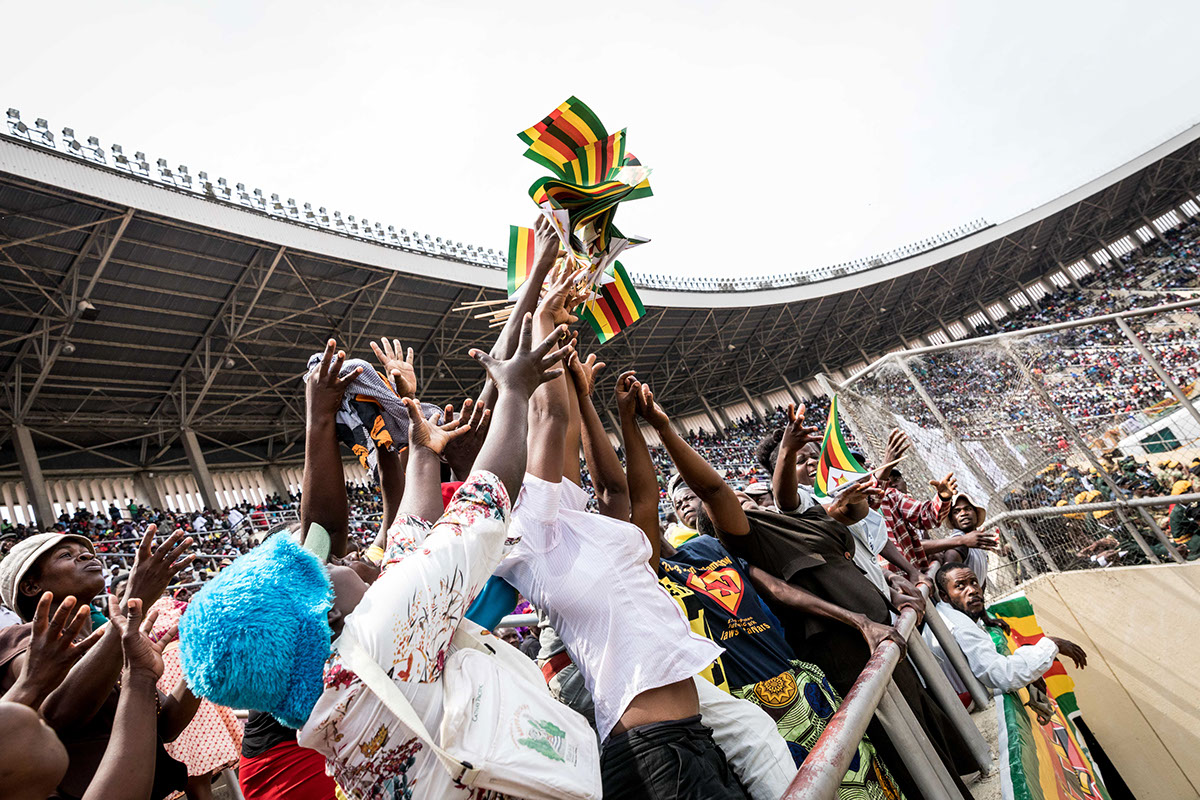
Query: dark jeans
x=676 y=760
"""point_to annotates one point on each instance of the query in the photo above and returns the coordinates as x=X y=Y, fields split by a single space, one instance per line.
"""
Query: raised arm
x=608 y=479
x=52 y=650
x=548 y=410
x=505 y=451
x=785 y=482
x=427 y=442
x=398 y=367
x=324 y=498
x=126 y=771
x=719 y=501
x=545 y=250
x=642 y=477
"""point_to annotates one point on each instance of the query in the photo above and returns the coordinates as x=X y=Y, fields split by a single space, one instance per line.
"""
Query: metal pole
x=917 y=752
x=979 y=474
x=979 y=695
x=1155 y=365
x=822 y=771
x=1037 y=543
x=1040 y=390
x=1107 y=505
x=939 y=686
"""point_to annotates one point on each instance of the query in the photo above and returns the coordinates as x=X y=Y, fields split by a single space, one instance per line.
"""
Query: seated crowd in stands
x=698 y=610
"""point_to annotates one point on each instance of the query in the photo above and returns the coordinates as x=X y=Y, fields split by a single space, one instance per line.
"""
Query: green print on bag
x=543 y=736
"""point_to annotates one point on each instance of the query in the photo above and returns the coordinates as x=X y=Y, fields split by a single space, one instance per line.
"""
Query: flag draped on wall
x=836 y=465
x=1040 y=761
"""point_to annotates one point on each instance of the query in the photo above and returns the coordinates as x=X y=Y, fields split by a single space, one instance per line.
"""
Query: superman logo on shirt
x=724 y=586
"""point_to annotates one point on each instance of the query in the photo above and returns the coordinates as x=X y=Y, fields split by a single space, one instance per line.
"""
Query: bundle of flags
x=837 y=466
x=592 y=174
x=1041 y=758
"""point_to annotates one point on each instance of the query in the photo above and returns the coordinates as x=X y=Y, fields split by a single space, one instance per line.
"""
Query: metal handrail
x=823 y=769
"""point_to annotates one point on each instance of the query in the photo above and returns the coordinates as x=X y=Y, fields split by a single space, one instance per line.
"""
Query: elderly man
x=962 y=607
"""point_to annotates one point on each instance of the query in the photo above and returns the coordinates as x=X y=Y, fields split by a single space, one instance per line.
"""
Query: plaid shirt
x=905 y=518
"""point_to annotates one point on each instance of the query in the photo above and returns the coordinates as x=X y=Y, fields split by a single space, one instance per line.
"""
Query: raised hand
x=628 y=391
x=546 y=243
x=946 y=488
x=52 y=650
x=651 y=411
x=155 y=567
x=428 y=433
x=863 y=490
x=561 y=296
x=584 y=373
x=795 y=434
x=529 y=366
x=897 y=445
x=397 y=366
x=142 y=651
x=461 y=450
x=324 y=389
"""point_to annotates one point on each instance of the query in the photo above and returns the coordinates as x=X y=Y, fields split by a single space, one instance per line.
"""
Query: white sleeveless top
x=590 y=574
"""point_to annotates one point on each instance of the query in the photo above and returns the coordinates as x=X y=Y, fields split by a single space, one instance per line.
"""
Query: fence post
x=914 y=747
x=1162 y=374
x=939 y=686
x=1040 y=390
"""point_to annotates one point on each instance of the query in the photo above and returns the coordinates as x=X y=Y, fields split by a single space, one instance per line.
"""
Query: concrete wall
x=1140 y=692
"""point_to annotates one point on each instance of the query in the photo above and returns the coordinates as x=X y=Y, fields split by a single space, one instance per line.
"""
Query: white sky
x=783 y=135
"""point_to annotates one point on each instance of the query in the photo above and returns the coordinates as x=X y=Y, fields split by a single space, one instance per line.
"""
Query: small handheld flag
x=837 y=465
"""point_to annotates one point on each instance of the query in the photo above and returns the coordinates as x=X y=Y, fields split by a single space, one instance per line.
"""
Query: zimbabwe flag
x=616 y=305
x=520 y=256
x=1040 y=762
x=836 y=466
x=554 y=140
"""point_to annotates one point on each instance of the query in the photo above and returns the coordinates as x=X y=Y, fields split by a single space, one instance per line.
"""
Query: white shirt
x=977 y=560
x=591 y=575
x=870 y=537
x=999 y=673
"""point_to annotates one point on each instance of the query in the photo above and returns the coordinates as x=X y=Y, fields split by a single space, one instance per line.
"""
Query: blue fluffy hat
x=257 y=636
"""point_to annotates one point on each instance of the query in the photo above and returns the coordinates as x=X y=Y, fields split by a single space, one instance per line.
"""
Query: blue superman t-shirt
x=720 y=602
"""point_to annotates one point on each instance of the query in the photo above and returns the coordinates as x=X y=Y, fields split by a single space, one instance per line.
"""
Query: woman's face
x=68 y=570
x=348 y=591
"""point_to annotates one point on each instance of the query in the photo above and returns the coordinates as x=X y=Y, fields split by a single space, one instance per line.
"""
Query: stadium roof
x=201 y=313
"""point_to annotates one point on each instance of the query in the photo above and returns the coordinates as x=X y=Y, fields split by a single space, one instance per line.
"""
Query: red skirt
x=286 y=772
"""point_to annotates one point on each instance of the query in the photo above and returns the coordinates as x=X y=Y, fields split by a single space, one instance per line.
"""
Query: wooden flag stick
x=480 y=304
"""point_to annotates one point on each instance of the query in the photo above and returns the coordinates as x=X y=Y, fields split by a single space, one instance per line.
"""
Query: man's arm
x=785 y=594
x=642 y=476
x=785 y=482
x=548 y=410
x=997 y=672
x=427 y=441
x=608 y=479
x=324 y=490
x=392 y=466
x=893 y=556
x=719 y=501
x=977 y=539
x=177 y=711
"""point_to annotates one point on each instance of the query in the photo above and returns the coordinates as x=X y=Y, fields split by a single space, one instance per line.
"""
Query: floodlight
x=86 y=310
x=229 y=363
x=68 y=349
x=14 y=114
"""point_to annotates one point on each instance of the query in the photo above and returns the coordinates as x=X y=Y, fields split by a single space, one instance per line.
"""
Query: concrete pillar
x=754 y=409
x=276 y=482
x=199 y=467
x=1153 y=229
x=712 y=415
x=612 y=421
x=31 y=474
x=147 y=493
x=23 y=503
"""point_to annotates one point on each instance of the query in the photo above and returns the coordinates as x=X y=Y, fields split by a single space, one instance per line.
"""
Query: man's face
x=511 y=636
x=963 y=515
x=686 y=505
x=896 y=481
x=68 y=570
x=964 y=593
x=806 y=463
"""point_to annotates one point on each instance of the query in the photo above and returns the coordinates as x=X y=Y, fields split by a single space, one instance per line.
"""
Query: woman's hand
x=427 y=433
x=397 y=366
x=584 y=373
x=141 y=650
x=795 y=434
x=324 y=390
x=651 y=411
x=529 y=366
x=461 y=451
x=628 y=391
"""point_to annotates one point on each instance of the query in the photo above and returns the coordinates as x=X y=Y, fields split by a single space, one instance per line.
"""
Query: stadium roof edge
x=72 y=174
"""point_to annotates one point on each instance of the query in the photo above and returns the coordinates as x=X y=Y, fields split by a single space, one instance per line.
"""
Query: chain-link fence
x=1094 y=412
